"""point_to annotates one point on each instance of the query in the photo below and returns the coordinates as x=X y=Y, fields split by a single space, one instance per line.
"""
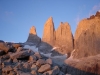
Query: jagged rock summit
x=33 y=30
x=33 y=38
x=64 y=38
x=49 y=32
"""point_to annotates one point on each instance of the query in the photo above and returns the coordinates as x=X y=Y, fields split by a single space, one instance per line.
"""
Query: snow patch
x=49 y=55
x=46 y=55
x=33 y=48
x=54 y=48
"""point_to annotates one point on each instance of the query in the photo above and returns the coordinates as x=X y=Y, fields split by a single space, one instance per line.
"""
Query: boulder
x=37 y=55
x=49 y=61
x=26 y=67
x=33 y=72
x=40 y=62
x=19 y=49
x=12 y=73
x=20 y=55
x=7 y=69
x=34 y=67
x=56 y=70
x=4 y=47
x=2 y=52
x=16 y=45
x=32 y=58
x=44 y=68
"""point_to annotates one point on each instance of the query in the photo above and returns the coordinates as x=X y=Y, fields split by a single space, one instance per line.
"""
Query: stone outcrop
x=49 y=32
x=64 y=38
x=61 y=38
x=87 y=38
x=33 y=38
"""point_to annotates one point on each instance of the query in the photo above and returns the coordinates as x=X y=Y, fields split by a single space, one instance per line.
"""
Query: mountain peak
x=33 y=30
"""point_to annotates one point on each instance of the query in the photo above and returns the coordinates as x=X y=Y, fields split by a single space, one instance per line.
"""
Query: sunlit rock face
x=33 y=38
x=85 y=59
x=33 y=30
x=64 y=38
x=49 y=32
x=87 y=37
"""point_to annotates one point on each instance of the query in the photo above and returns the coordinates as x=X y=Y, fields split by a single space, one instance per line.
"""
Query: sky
x=18 y=16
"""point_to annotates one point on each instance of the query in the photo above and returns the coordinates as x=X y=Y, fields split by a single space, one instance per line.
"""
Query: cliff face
x=86 y=54
x=64 y=38
x=87 y=38
x=49 y=32
x=61 y=38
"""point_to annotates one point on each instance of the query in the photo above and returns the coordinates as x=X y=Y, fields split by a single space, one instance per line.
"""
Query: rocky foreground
x=16 y=60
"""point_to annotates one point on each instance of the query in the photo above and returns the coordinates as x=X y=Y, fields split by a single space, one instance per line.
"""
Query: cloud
x=94 y=9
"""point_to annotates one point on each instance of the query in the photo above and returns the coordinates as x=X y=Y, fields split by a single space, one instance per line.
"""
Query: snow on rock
x=54 y=48
x=46 y=55
x=33 y=48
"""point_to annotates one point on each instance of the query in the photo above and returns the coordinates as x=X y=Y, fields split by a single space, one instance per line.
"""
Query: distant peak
x=33 y=30
x=50 y=19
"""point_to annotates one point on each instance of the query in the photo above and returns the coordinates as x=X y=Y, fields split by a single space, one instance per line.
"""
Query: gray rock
x=19 y=49
x=32 y=58
x=37 y=54
x=15 y=61
x=33 y=72
x=2 y=52
x=49 y=61
x=20 y=55
x=34 y=67
x=44 y=68
x=56 y=70
x=12 y=73
x=7 y=69
x=40 y=62
x=26 y=67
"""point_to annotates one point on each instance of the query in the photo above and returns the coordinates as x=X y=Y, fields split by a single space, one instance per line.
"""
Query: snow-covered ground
x=57 y=59
x=33 y=48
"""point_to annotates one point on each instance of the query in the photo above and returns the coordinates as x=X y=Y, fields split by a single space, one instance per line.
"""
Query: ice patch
x=33 y=48
x=46 y=55
x=49 y=55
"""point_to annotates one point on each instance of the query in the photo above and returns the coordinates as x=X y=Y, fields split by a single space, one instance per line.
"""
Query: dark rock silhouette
x=33 y=38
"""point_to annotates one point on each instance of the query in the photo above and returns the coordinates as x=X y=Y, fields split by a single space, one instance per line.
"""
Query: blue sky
x=17 y=16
